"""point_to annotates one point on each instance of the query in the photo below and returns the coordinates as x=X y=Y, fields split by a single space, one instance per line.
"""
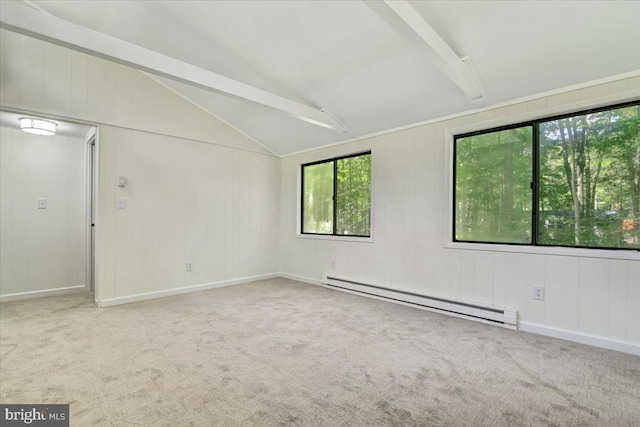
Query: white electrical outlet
x=538 y=292
x=333 y=264
x=189 y=265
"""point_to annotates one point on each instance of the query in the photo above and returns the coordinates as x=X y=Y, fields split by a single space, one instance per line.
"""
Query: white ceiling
x=347 y=57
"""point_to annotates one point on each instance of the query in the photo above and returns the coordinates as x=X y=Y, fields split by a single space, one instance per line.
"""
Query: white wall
x=41 y=249
x=198 y=190
x=584 y=294
x=186 y=201
x=51 y=79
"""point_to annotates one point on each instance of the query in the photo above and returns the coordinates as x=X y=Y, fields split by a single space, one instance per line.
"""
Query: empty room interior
x=320 y=213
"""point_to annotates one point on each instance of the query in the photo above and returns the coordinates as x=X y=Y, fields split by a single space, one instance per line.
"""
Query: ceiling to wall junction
x=352 y=60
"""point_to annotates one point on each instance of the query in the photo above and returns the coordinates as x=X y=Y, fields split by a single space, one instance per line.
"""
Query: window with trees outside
x=572 y=180
x=336 y=196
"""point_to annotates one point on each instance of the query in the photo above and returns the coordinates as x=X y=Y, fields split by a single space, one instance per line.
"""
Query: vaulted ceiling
x=363 y=62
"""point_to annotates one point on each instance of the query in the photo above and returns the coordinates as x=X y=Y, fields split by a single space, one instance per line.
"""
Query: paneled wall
x=186 y=201
x=198 y=190
x=584 y=294
x=51 y=79
x=41 y=249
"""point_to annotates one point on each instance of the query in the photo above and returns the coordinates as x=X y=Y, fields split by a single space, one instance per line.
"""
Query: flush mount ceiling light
x=38 y=126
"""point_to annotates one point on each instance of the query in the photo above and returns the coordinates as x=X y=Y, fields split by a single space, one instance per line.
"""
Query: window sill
x=337 y=238
x=548 y=250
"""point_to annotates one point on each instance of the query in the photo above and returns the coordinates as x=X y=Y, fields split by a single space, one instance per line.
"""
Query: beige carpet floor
x=279 y=352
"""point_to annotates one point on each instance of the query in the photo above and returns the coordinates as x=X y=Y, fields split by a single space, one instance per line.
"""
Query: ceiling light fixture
x=38 y=126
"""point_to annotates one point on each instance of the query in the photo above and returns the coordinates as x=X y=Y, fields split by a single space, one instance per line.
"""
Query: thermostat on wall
x=122 y=181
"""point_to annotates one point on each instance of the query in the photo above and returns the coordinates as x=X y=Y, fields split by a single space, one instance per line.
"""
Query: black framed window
x=570 y=180
x=336 y=196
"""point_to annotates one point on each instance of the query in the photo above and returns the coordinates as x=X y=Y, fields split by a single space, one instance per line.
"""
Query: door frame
x=91 y=189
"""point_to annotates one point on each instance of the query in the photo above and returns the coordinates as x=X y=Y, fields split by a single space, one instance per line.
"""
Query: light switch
x=121 y=203
x=42 y=203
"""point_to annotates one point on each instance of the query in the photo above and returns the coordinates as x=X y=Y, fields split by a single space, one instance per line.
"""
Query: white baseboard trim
x=303 y=279
x=579 y=337
x=44 y=293
x=183 y=290
x=582 y=338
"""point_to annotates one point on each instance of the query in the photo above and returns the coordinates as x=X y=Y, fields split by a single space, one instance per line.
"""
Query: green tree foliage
x=588 y=182
x=353 y=198
x=352 y=201
x=317 y=198
x=493 y=186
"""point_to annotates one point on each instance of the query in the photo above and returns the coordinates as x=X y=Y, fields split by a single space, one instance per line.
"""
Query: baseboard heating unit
x=505 y=317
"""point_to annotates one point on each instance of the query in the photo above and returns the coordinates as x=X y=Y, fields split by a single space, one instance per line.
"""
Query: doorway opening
x=48 y=205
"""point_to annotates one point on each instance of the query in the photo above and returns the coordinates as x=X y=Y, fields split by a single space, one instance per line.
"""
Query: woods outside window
x=571 y=180
x=336 y=196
